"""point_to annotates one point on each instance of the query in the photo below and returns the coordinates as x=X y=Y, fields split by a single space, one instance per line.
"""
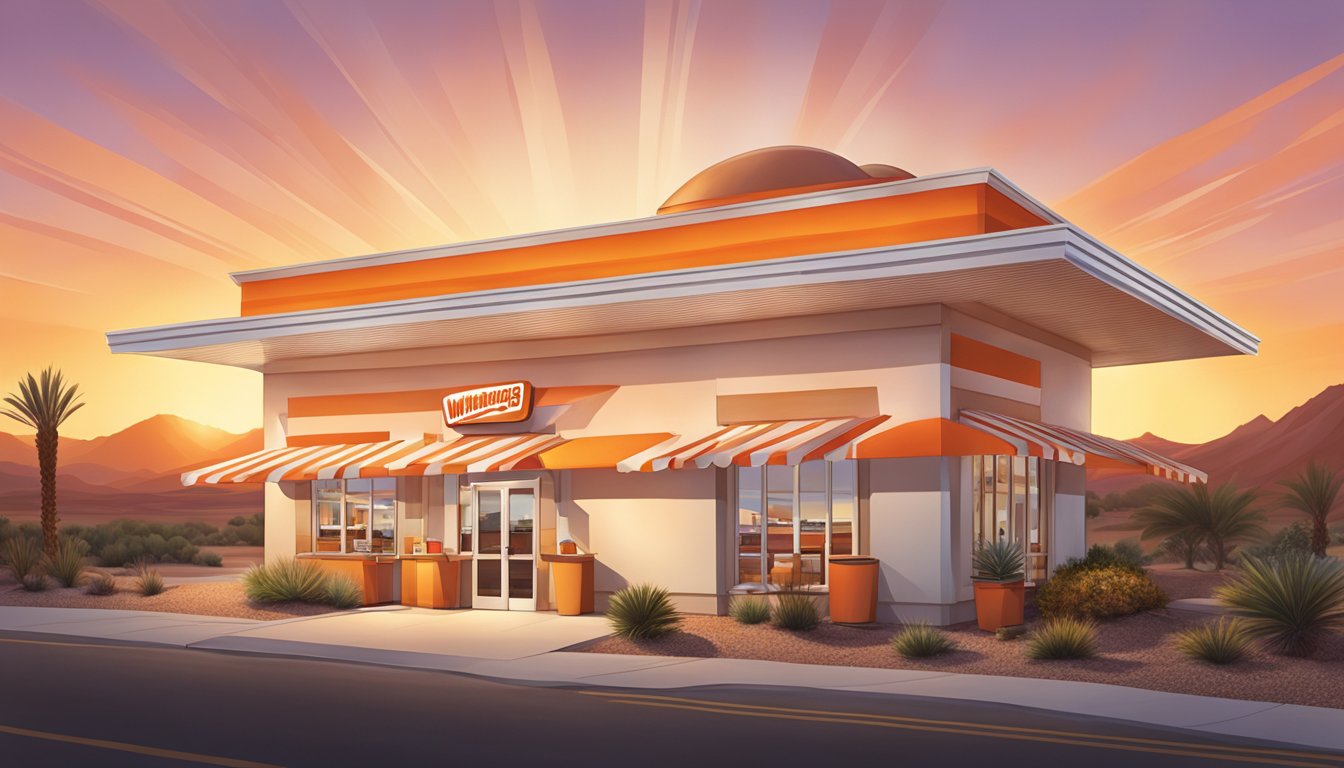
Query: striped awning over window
x=1075 y=446
x=476 y=453
x=306 y=462
x=754 y=445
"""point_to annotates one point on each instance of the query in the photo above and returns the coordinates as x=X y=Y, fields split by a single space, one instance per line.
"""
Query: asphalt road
x=66 y=702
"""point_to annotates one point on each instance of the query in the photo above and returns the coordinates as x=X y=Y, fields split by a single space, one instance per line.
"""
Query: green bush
x=749 y=610
x=998 y=560
x=1292 y=539
x=1125 y=555
x=101 y=584
x=642 y=612
x=342 y=592
x=149 y=582
x=22 y=555
x=797 y=612
x=919 y=640
x=67 y=566
x=1098 y=593
x=211 y=559
x=34 y=581
x=1063 y=638
x=1289 y=601
x=1221 y=643
x=284 y=581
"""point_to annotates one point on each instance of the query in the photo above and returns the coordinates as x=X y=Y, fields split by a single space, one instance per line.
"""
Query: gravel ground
x=1180 y=583
x=1135 y=651
x=212 y=599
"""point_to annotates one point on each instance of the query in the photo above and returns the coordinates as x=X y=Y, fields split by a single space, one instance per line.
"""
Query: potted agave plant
x=1000 y=584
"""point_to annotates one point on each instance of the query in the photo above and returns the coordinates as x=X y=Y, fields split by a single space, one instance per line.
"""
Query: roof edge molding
x=1058 y=253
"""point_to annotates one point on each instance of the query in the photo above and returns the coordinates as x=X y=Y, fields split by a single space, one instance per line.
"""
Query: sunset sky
x=147 y=149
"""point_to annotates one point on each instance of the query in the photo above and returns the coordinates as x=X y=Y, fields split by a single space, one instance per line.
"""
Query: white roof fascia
x=995 y=249
x=665 y=221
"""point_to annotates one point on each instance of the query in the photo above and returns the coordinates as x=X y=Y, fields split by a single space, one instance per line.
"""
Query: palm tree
x=1229 y=519
x=44 y=406
x=1314 y=491
x=1223 y=518
x=1174 y=517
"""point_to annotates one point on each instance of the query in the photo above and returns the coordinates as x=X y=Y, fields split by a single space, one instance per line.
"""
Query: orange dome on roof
x=770 y=172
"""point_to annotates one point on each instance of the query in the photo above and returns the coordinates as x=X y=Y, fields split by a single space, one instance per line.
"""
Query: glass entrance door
x=504 y=567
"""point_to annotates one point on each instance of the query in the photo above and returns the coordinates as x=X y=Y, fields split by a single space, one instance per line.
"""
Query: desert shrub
x=1292 y=539
x=23 y=555
x=1289 y=601
x=1129 y=551
x=920 y=640
x=149 y=583
x=1098 y=593
x=342 y=592
x=67 y=565
x=34 y=581
x=796 y=611
x=1217 y=643
x=642 y=612
x=749 y=610
x=1100 y=556
x=1337 y=534
x=1063 y=638
x=285 y=580
x=211 y=559
x=101 y=584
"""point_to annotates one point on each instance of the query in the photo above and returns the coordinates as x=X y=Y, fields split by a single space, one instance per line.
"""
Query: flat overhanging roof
x=1053 y=277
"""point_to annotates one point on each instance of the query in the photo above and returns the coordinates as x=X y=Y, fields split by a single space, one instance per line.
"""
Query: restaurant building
x=796 y=358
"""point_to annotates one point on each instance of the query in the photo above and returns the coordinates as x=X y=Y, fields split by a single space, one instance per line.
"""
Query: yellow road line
x=69 y=645
x=138 y=749
x=1128 y=743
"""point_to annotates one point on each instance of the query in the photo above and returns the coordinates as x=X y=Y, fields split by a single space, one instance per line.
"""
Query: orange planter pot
x=999 y=604
x=573 y=578
x=853 y=589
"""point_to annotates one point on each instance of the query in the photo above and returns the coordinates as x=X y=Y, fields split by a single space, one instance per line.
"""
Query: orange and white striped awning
x=476 y=453
x=1075 y=446
x=306 y=462
x=754 y=445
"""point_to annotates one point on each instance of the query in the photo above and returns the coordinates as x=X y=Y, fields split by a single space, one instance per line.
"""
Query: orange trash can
x=573 y=578
x=853 y=589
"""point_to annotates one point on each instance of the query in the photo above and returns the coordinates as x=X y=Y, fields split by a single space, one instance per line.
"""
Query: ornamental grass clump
x=22 y=556
x=1063 y=638
x=67 y=565
x=1098 y=593
x=149 y=583
x=920 y=640
x=34 y=581
x=642 y=612
x=797 y=612
x=749 y=610
x=342 y=592
x=1290 y=602
x=1223 y=642
x=284 y=581
x=101 y=584
x=1000 y=560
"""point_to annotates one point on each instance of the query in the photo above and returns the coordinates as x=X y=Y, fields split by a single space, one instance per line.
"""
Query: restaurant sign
x=493 y=403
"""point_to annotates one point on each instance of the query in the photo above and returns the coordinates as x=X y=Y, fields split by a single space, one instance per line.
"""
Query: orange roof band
x=893 y=220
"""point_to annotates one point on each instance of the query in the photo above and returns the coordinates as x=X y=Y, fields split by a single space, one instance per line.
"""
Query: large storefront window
x=790 y=519
x=1008 y=505
x=355 y=516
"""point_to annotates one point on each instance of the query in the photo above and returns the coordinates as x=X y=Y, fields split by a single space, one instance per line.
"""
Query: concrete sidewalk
x=527 y=647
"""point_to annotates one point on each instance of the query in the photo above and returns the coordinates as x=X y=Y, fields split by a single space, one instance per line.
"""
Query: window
x=789 y=519
x=355 y=516
x=1008 y=504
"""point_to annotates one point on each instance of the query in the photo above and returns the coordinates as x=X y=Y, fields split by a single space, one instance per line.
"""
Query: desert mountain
x=133 y=473
x=1258 y=453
